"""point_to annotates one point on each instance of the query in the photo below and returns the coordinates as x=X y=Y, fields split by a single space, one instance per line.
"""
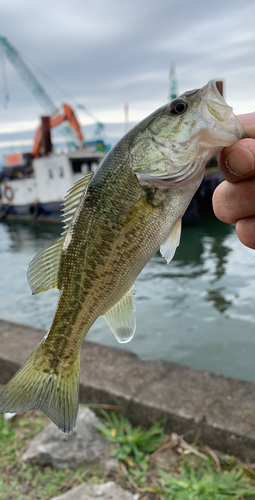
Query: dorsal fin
x=43 y=270
x=73 y=198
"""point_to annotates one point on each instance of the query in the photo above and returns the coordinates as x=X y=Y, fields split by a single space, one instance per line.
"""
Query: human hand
x=234 y=199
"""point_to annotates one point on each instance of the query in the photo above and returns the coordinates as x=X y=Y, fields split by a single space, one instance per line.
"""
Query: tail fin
x=55 y=393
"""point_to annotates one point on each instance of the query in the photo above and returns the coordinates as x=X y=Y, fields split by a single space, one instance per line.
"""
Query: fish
x=116 y=219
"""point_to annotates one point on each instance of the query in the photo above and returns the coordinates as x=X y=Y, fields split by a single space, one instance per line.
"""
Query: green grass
x=158 y=466
x=133 y=442
x=205 y=483
x=195 y=476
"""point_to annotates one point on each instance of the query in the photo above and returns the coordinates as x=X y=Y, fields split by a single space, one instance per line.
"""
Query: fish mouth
x=215 y=102
x=224 y=127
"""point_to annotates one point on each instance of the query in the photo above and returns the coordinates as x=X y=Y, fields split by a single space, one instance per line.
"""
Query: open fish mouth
x=215 y=102
x=224 y=126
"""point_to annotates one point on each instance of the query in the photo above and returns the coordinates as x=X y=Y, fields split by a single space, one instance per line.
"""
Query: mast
x=173 y=86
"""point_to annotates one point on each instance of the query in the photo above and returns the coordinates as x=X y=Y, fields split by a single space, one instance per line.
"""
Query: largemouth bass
x=116 y=219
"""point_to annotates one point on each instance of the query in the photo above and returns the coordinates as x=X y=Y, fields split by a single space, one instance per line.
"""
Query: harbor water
x=198 y=310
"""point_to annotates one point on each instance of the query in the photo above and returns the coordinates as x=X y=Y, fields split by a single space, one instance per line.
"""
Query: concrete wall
x=189 y=401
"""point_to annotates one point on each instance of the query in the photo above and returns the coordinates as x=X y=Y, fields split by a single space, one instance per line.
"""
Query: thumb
x=237 y=161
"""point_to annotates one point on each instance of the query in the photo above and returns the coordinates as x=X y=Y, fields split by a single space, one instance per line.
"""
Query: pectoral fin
x=158 y=179
x=121 y=318
x=169 y=246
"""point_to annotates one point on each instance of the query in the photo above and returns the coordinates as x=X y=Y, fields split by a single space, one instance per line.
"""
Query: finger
x=237 y=161
x=248 y=123
x=245 y=229
x=232 y=202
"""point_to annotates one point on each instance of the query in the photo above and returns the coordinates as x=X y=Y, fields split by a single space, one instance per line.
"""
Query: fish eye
x=178 y=107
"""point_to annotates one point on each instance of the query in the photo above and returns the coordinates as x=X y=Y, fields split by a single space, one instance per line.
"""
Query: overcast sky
x=103 y=53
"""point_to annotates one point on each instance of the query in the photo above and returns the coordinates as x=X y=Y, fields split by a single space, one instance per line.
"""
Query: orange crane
x=55 y=120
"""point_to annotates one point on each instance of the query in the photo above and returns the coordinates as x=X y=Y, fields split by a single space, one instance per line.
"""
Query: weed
x=6 y=430
x=205 y=483
x=133 y=442
x=147 y=461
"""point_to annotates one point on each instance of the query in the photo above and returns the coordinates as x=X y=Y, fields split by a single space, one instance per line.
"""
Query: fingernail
x=240 y=160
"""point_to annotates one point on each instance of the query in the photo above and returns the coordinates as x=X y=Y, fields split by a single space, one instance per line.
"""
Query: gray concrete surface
x=189 y=401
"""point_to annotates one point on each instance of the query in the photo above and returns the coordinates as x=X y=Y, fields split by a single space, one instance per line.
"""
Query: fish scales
x=116 y=220
x=92 y=280
x=105 y=261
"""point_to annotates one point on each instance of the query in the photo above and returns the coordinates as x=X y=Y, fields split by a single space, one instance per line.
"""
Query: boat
x=36 y=188
x=33 y=185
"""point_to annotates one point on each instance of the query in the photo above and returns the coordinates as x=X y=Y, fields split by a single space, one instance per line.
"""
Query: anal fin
x=169 y=246
x=121 y=317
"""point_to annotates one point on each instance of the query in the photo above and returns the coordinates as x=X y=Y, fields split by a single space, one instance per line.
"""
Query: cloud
x=104 y=54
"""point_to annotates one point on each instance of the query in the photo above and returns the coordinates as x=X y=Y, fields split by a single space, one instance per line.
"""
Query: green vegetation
x=150 y=468
x=205 y=483
x=132 y=442
x=158 y=466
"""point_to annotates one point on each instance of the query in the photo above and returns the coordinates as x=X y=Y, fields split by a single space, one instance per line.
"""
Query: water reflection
x=217 y=298
x=206 y=247
x=220 y=252
x=203 y=252
x=32 y=236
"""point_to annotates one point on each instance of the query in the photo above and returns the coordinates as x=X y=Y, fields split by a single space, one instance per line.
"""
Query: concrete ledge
x=222 y=409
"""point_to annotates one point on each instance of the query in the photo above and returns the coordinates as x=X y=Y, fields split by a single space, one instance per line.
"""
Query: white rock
x=83 y=444
x=106 y=491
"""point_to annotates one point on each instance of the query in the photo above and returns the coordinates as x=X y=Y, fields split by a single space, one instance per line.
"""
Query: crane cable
x=61 y=89
x=99 y=125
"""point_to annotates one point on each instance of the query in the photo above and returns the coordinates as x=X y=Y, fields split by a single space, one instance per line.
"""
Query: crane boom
x=36 y=88
x=27 y=75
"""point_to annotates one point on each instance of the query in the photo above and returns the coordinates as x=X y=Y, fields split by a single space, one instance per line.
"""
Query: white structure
x=42 y=190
